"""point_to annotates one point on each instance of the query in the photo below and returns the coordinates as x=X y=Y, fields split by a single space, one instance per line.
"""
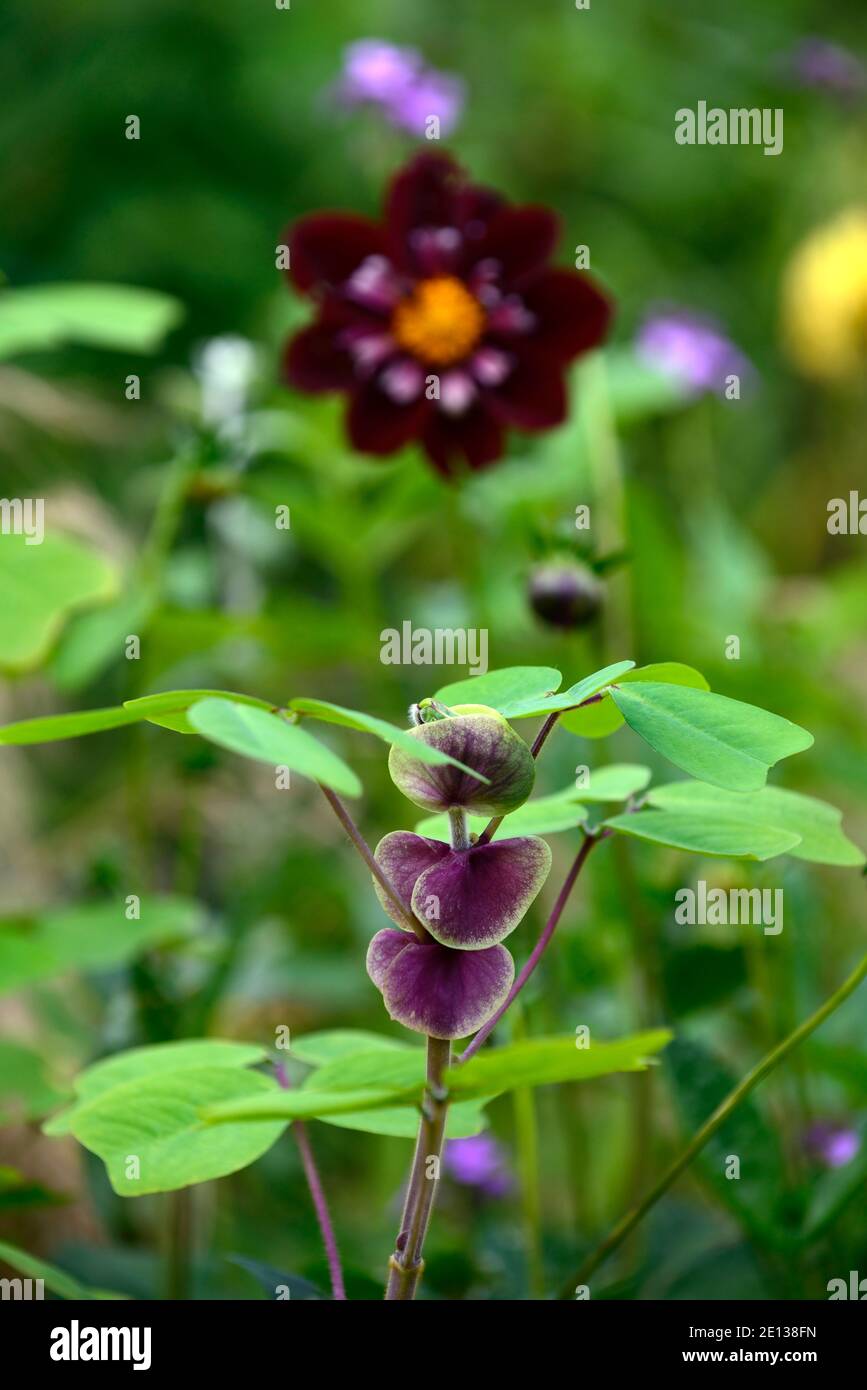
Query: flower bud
x=565 y=595
x=433 y=990
x=484 y=742
x=468 y=899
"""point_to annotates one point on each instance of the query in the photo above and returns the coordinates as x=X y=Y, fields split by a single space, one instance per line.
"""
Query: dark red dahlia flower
x=444 y=322
x=468 y=899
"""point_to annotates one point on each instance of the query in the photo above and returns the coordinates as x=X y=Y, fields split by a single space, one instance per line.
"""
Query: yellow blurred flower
x=825 y=299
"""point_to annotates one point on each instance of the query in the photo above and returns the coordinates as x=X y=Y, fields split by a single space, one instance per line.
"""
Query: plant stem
x=317 y=1193
x=539 y=949
x=458 y=828
x=179 y=1241
x=355 y=835
x=406 y=1264
x=758 y=1073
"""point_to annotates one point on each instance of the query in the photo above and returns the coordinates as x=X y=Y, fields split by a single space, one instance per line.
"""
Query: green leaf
x=56 y=1281
x=169 y=708
x=40 y=587
x=89 y=938
x=265 y=737
x=723 y=835
x=158 y=1060
x=544 y=816
x=547 y=815
x=710 y=736
x=40 y=317
x=305 y=1103
x=389 y=733
x=575 y=695
x=818 y=825
x=93 y=642
x=26 y=1092
x=57 y=726
x=617 y=782
x=381 y=1067
x=156 y=1119
x=542 y=1061
x=504 y=690
x=604 y=718
x=333 y=1043
x=465 y=1118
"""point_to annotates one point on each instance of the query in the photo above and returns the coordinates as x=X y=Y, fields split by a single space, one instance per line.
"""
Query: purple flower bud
x=484 y=742
x=468 y=899
x=565 y=595
x=431 y=989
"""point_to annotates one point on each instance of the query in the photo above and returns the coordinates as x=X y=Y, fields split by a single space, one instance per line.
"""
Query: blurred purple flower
x=832 y=1144
x=479 y=1162
x=815 y=62
x=691 y=348
x=398 y=81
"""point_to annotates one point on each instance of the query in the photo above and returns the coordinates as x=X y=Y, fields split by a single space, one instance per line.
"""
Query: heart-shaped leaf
x=169 y=708
x=715 y=739
x=575 y=695
x=818 y=825
x=52 y=727
x=706 y=833
x=505 y=690
x=267 y=738
x=542 y=1061
x=40 y=586
x=161 y=1059
x=150 y=1135
x=603 y=717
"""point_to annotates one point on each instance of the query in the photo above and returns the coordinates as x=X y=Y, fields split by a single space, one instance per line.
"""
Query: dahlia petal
x=436 y=250
x=375 y=285
x=521 y=239
x=534 y=396
x=483 y=742
x=421 y=195
x=403 y=380
x=325 y=248
x=457 y=392
x=378 y=425
x=510 y=315
x=403 y=857
x=490 y=365
x=314 y=361
x=473 y=440
x=432 y=990
x=571 y=314
x=474 y=898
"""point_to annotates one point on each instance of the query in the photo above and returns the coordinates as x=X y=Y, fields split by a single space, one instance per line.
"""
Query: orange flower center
x=440 y=321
